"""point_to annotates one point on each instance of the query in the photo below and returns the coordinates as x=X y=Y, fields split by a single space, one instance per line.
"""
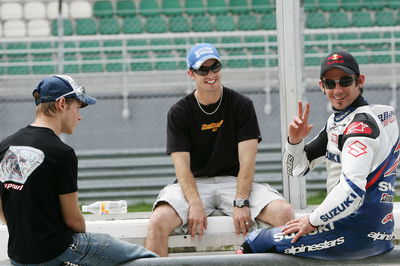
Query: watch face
x=240 y=202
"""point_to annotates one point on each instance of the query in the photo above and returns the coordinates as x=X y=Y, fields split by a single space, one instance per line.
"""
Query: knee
x=162 y=221
x=286 y=212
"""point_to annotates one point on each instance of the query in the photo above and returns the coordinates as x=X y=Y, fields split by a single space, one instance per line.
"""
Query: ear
x=190 y=74
x=321 y=86
x=361 y=81
x=61 y=104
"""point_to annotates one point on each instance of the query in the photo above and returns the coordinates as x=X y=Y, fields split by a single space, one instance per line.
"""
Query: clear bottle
x=106 y=207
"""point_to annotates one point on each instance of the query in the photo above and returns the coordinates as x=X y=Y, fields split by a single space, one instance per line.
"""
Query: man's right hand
x=197 y=219
x=299 y=127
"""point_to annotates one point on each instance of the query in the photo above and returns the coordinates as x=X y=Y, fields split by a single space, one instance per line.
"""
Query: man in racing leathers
x=360 y=147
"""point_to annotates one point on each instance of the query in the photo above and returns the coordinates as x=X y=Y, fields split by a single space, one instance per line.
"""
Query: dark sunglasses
x=203 y=70
x=345 y=81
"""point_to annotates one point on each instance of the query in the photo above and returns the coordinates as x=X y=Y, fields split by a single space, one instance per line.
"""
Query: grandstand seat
x=374 y=36
x=159 y=45
x=67 y=27
x=258 y=58
x=14 y=28
x=239 y=6
x=179 y=24
x=247 y=22
x=182 y=44
x=19 y=69
x=85 y=26
x=69 y=48
x=38 y=28
x=109 y=26
x=16 y=50
x=141 y=62
x=41 y=49
x=241 y=62
x=385 y=18
x=149 y=8
x=89 y=48
x=315 y=20
x=338 y=20
x=310 y=6
x=267 y=22
x=215 y=7
x=156 y=25
x=393 y=4
x=351 y=5
x=257 y=43
x=361 y=19
x=310 y=59
x=225 y=23
x=165 y=61
x=194 y=7
x=229 y=43
x=374 y=5
x=171 y=8
x=137 y=46
x=349 y=36
x=91 y=64
x=125 y=8
x=262 y=6
x=52 y=10
x=329 y=5
x=201 y=24
x=45 y=66
x=113 y=48
x=11 y=10
x=70 y=65
x=381 y=55
x=80 y=9
x=114 y=64
x=103 y=9
x=132 y=25
x=34 y=10
x=272 y=42
x=361 y=59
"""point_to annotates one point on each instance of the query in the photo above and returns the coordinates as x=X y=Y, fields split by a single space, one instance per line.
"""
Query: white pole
x=290 y=87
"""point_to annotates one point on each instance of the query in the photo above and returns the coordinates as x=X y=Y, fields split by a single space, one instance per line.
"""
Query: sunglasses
x=78 y=91
x=203 y=70
x=345 y=81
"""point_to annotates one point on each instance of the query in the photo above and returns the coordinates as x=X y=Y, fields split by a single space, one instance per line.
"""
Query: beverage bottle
x=106 y=207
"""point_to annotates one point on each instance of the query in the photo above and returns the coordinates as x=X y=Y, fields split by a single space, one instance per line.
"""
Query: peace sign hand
x=299 y=127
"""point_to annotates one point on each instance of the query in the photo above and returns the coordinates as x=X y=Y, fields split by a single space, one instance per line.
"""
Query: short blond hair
x=48 y=108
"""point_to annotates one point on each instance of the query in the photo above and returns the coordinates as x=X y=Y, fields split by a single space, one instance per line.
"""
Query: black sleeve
x=317 y=147
x=67 y=173
x=362 y=125
x=178 y=131
x=247 y=126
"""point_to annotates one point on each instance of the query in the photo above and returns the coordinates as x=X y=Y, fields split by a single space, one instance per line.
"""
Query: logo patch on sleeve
x=357 y=148
x=358 y=128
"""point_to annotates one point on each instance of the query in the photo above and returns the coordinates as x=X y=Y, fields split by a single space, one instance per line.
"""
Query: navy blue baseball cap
x=200 y=53
x=54 y=87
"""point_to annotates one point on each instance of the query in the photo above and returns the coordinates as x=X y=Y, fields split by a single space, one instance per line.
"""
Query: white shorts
x=216 y=193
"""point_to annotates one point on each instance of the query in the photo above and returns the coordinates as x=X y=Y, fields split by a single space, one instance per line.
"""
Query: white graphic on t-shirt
x=19 y=162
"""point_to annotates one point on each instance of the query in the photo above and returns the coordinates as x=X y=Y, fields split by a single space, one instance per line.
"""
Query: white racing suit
x=360 y=147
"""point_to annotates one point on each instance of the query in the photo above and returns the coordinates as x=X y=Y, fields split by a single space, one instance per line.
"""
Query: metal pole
x=290 y=87
x=60 y=30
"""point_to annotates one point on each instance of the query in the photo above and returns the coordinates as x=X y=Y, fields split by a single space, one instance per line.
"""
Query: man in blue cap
x=212 y=137
x=38 y=187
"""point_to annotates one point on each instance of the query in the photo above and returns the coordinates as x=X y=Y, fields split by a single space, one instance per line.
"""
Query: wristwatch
x=241 y=202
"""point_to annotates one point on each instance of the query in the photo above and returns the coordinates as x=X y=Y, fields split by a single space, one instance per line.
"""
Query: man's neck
x=208 y=97
x=48 y=122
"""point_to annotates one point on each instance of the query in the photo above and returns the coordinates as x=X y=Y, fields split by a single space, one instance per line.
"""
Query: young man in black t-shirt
x=212 y=137
x=38 y=187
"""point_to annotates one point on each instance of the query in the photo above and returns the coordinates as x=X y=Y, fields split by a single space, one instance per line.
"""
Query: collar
x=341 y=114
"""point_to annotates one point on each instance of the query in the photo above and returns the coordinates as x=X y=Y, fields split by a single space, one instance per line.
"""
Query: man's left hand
x=301 y=225
x=241 y=219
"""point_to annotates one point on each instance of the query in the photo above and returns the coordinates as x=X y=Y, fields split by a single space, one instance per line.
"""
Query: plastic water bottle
x=106 y=207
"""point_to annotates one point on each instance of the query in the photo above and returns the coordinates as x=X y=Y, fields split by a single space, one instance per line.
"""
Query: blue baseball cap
x=57 y=86
x=200 y=53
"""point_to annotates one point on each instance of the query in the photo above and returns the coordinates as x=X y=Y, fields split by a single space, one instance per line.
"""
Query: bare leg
x=276 y=213
x=162 y=222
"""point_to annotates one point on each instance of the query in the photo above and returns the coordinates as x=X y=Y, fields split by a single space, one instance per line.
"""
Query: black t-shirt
x=212 y=140
x=35 y=168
